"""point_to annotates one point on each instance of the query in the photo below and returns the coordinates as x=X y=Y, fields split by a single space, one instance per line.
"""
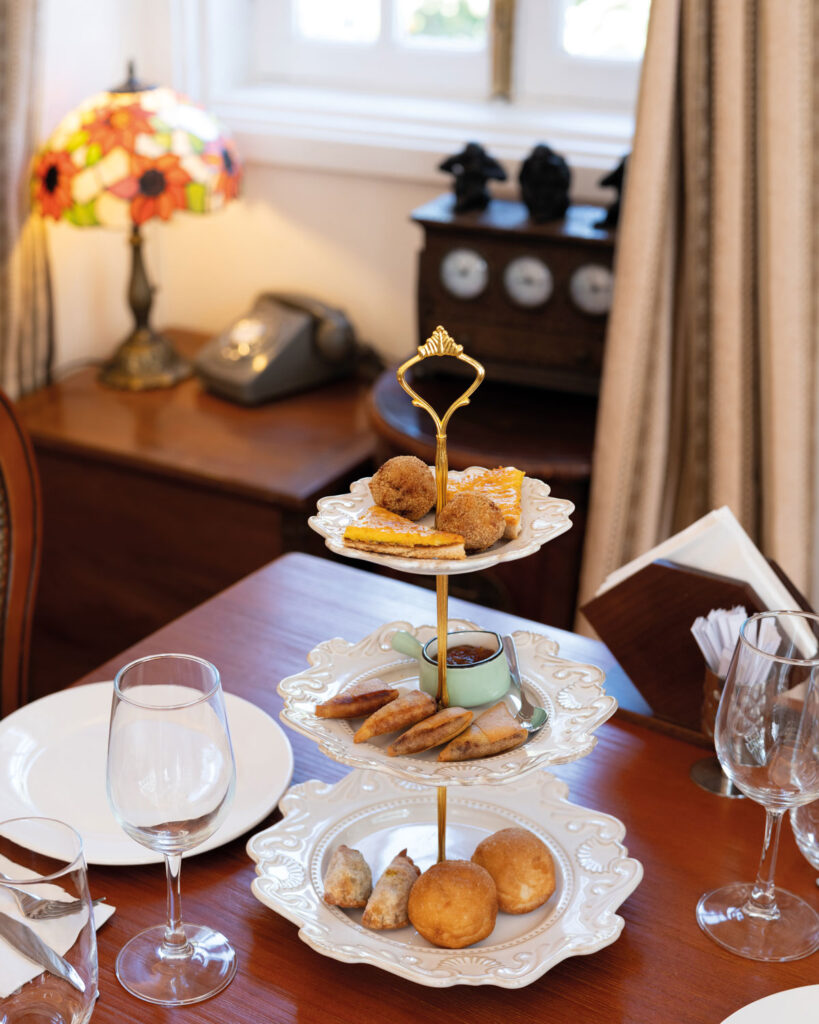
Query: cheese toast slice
x=493 y=732
x=502 y=485
x=386 y=533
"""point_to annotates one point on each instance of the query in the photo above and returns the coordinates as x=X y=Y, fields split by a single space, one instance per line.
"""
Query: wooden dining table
x=661 y=969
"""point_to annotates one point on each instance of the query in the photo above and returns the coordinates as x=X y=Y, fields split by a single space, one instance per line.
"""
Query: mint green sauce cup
x=469 y=685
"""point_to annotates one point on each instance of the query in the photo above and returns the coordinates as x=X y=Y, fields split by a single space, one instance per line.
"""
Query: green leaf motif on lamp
x=196 y=196
x=83 y=215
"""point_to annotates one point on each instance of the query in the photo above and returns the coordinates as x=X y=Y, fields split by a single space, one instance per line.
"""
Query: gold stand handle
x=441 y=344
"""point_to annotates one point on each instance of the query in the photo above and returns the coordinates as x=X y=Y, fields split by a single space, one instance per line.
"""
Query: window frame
x=380 y=135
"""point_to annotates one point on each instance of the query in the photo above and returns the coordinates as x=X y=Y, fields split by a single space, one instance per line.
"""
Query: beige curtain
x=709 y=393
x=26 y=322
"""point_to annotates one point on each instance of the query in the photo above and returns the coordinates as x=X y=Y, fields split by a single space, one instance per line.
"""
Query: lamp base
x=145 y=360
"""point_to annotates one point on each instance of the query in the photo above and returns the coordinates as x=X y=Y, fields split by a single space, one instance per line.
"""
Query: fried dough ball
x=521 y=867
x=477 y=518
x=453 y=904
x=404 y=485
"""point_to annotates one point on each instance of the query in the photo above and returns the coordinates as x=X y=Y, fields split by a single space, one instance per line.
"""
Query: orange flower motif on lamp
x=118 y=126
x=51 y=183
x=155 y=188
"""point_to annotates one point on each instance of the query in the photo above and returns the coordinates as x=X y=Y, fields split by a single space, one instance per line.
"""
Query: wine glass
x=171 y=777
x=805 y=825
x=767 y=740
x=44 y=858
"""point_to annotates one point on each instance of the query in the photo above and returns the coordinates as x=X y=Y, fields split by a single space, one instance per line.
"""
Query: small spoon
x=530 y=716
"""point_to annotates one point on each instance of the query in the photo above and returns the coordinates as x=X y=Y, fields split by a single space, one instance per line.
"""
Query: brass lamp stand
x=145 y=359
x=441 y=344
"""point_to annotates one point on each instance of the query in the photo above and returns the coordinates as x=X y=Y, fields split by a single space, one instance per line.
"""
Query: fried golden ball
x=453 y=904
x=521 y=867
x=404 y=485
x=475 y=517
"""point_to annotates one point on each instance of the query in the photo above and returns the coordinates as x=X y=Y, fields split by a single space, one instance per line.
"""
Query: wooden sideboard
x=154 y=501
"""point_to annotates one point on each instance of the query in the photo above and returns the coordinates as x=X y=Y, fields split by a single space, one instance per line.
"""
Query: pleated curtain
x=709 y=390
x=26 y=318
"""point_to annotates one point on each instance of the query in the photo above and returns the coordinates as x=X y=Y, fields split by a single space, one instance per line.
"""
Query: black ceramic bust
x=544 y=179
x=615 y=179
x=472 y=168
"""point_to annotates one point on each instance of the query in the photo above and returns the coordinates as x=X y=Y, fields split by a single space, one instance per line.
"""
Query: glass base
x=793 y=933
x=148 y=972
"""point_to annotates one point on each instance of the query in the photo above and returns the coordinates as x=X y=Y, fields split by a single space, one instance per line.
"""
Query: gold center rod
x=441 y=823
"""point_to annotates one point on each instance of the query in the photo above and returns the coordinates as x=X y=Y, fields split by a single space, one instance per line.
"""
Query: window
x=388 y=87
x=570 y=48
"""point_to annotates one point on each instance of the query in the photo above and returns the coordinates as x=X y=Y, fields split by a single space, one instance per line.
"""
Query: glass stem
x=174 y=944
x=762 y=901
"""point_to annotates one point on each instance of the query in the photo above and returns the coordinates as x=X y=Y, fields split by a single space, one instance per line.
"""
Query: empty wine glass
x=805 y=825
x=767 y=740
x=171 y=777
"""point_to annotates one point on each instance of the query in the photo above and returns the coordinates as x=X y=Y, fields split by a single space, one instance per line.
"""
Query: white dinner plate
x=794 y=1005
x=380 y=816
x=542 y=518
x=52 y=763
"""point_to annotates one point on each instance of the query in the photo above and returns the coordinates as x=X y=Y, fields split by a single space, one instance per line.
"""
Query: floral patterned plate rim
x=380 y=816
x=542 y=518
x=571 y=692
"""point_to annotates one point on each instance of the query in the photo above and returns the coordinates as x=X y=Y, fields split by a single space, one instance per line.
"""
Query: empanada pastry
x=521 y=867
x=431 y=732
x=387 y=907
x=405 y=710
x=493 y=731
x=355 y=701
x=349 y=881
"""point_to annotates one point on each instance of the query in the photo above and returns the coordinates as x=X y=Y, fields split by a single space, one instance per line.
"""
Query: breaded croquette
x=404 y=485
x=475 y=517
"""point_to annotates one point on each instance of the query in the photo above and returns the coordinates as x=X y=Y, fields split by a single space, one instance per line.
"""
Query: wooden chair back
x=20 y=543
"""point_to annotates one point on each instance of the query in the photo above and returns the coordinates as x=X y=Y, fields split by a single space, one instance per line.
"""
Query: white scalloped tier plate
x=572 y=694
x=542 y=518
x=381 y=816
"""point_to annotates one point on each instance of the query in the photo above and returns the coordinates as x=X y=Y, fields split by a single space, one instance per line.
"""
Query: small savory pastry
x=385 y=533
x=521 y=867
x=404 y=485
x=503 y=485
x=387 y=907
x=477 y=518
x=349 y=881
x=355 y=701
x=431 y=732
x=453 y=904
x=493 y=732
x=405 y=710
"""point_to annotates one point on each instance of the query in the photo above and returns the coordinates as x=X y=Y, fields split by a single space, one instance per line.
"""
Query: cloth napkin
x=60 y=933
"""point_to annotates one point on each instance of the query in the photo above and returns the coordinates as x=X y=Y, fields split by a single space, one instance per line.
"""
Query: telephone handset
x=284 y=343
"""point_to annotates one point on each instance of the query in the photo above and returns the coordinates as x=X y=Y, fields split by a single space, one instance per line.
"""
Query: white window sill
x=401 y=138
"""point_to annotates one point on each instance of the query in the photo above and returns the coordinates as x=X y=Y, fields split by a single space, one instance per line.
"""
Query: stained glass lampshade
x=118 y=160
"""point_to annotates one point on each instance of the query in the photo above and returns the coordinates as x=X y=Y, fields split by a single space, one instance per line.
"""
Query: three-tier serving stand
x=572 y=693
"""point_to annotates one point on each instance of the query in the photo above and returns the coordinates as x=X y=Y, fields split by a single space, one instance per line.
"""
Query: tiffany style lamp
x=119 y=159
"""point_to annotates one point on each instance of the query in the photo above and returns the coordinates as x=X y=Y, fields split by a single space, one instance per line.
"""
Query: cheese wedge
x=502 y=485
x=493 y=732
x=384 y=532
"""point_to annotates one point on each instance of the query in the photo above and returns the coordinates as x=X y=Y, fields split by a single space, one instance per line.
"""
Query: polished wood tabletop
x=661 y=970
